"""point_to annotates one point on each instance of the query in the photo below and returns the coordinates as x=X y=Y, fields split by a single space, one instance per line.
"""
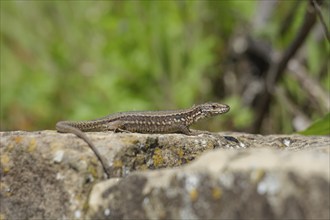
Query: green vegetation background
x=81 y=60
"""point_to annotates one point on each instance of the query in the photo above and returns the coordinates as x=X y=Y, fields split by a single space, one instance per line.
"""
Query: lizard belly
x=152 y=126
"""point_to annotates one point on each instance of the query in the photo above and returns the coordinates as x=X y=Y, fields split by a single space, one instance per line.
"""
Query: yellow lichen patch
x=32 y=145
x=257 y=175
x=193 y=195
x=92 y=170
x=4 y=189
x=139 y=159
x=180 y=152
x=216 y=193
x=143 y=167
x=158 y=158
x=11 y=146
x=117 y=164
x=18 y=139
x=127 y=140
x=2 y=216
x=4 y=160
x=6 y=169
x=177 y=151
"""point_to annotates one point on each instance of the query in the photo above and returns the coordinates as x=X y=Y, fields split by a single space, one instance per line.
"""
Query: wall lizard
x=170 y=121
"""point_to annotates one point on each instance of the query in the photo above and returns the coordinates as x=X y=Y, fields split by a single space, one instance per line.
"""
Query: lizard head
x=212 y=109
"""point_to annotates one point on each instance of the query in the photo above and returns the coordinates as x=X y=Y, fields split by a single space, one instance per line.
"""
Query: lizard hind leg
x=116 y=126
x=122 y=130
x=184 y=130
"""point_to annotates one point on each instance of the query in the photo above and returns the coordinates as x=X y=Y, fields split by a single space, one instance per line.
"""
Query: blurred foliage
x=81 y=60
x=84 y=59
x=319 y=127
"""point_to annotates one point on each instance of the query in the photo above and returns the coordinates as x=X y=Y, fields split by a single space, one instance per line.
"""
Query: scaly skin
x=171 y=121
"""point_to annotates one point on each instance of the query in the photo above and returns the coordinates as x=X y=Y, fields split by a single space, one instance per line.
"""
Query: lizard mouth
x=220 y=109
x=216 y=109
x=225 y=109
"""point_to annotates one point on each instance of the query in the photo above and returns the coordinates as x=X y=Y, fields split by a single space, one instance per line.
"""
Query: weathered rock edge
x=50 y=175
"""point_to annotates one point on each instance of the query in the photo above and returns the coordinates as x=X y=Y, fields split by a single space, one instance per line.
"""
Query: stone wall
x=164 y=176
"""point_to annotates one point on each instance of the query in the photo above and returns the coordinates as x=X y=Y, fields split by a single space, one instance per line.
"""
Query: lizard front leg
x=184 y=130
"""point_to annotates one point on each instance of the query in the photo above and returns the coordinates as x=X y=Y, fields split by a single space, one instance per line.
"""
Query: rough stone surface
x=208 y=176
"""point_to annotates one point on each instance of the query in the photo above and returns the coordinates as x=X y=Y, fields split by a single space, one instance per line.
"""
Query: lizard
x=168 y=121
